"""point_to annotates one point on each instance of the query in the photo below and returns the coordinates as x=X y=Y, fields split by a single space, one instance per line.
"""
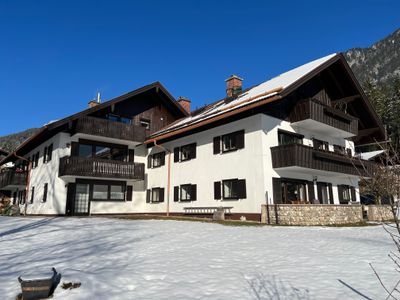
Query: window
x=117 y=192
x=184 y=153
x=320 y=145
x=32 y=194
x=145 y=123
x=100 y=192
x=45 y=192
x=101 y=151
x=346 y=194
x=230 y=142
x=85 y=150
x=232 y=189
x=156 y=160
x=186 y=192
x=155 y=195
x=338 y=149
x=116 y=118
x=293 y=192
x=289 y=138
x=35 y=160
x=349 y=153
x=48 y=151
x=325 y=195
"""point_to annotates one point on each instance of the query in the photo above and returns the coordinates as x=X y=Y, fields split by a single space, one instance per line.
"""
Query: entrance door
x=78 y=203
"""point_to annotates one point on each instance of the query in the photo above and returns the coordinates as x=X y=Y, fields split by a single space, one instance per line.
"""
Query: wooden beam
x=368 y=131
x=347 y=99
x=335 y=81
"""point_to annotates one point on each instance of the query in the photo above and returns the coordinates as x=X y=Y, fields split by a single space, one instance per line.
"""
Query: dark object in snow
x=70 y=285
x=33 y=289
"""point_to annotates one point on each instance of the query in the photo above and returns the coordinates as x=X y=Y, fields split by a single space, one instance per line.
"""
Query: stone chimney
x=185 y=103
x=233 y=85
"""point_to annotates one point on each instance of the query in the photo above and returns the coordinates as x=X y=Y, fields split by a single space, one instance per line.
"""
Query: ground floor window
x=100 y=190
x=325 y=195
x=346 y=193
x=155 y=195
x=294 y=192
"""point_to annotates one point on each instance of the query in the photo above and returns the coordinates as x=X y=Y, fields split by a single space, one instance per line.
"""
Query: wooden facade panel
x=10 y=177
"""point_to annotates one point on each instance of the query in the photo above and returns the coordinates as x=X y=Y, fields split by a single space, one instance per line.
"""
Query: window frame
x=188 y=192
x=155 y=157
x=296 y=138
x=107 y=183
x=317 y=143
x=158 y=193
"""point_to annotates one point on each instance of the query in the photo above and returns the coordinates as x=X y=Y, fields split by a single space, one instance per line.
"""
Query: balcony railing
x=111 y=129
x=10 y=178
x=93 y=167
x=320 y=112
x=297 y=155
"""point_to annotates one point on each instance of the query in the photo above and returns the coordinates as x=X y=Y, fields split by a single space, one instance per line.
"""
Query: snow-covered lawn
x=156 y=259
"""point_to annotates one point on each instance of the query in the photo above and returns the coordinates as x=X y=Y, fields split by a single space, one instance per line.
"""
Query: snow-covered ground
x=156 y=259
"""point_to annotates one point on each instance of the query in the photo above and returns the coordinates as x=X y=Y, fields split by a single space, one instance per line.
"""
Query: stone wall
x=311 y=214
x=378 y=212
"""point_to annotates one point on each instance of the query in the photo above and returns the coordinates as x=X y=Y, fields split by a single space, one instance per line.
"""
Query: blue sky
x=55 y=55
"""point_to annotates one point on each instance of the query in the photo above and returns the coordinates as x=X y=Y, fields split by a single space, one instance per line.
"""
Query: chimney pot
x=185 y=103
x=233 y=85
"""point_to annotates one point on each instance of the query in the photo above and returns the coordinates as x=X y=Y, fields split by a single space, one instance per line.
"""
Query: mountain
x=12 y=141
x=380 y=62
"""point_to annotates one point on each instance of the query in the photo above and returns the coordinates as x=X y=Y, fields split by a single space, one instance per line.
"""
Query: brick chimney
x=185 y=103
x=233 y=85
x=93 y=103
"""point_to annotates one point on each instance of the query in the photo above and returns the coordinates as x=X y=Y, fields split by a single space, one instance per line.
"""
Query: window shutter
x=37 y=159
x=217 y=144
x=74 y=149
x=44 y=155
x=162 y=195
x=131 y=155
x=129 y=193
x=176 y=154
x=277 y=190
x=319 y=191
x=353 y=193
x=149 y=159
x=45 y=192
x=193 y=192
x=217 y=190
x=340 y=193
x=176 y=193
x=311 y=194
x=241 y=188
x=148 y=194
x=163 y=158
x=192 y=151
x=70 y=199
x=32 y=194
x=49 y=152
x=239 y=139
x=330 y=193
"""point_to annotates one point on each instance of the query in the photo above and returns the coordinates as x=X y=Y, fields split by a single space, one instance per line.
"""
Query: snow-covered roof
x=260 y=92
x=371 y=154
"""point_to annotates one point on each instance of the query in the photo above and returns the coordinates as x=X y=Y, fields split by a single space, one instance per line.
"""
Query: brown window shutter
x=131 y=155
x=239 y=139
x=70 y=198
x=32 y=194
x=311 y=194
x=74 y=149
x=149 y=160
x=49 y=152
x=45 y=192
x=217 y=190
x=176 y=154
x=129 y=193
x=319 y=191
x=162 y=195
x=340 y=193
x=148 y=194
x=176 y=193
x=277 y=190
x=241 y=188
x=353 y=193
x=192 y=151
x=44 y=154
x=330 y=193
x=193 y=192
x=163 y=158
x=217 y=144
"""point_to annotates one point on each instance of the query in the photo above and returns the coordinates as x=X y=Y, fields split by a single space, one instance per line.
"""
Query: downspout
x=169 y=173
x=27 y=180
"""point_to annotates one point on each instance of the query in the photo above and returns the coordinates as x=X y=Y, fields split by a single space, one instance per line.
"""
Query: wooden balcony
x=93 y=167
x=312 y=109
x=111 y=129
x=303 y=156
x=11 y=179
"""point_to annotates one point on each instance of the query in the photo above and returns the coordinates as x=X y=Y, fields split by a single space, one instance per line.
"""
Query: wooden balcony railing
x=307 y=157
x=10 y=178
x=93 y=167
x=320 y=112
x=111 y=129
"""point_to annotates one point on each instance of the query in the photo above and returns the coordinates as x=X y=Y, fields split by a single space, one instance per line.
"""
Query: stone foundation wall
x=311 y=214
x=378 y=212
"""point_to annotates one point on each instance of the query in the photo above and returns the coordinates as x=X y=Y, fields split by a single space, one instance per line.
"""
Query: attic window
x=145 y=123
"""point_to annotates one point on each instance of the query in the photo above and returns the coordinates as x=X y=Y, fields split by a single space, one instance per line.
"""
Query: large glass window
x=102 y=151
x=287 y=138
x=116 y=118
x=85 y=150
x=117 y=192
x=293 y=192
x=100 y=192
